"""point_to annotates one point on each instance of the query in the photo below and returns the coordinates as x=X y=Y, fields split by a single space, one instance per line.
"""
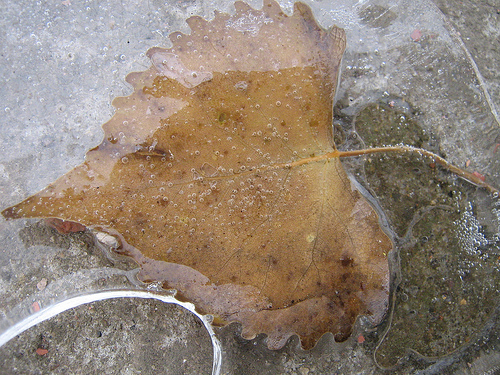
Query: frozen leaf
x=220 y=177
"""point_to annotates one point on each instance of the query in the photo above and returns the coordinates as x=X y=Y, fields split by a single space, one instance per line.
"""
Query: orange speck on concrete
x=416 y=35
x=41 y=351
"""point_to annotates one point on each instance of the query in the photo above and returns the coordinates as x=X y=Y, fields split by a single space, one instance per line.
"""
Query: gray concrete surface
x=61 y=65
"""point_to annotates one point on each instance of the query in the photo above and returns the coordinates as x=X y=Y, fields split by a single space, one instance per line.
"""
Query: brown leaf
x=64 y=227
x=220 y=176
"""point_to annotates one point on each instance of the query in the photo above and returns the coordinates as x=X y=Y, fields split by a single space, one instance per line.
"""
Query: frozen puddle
x=71 y=303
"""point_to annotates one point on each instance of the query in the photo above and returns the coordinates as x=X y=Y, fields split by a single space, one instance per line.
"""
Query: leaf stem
x=471 y=177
